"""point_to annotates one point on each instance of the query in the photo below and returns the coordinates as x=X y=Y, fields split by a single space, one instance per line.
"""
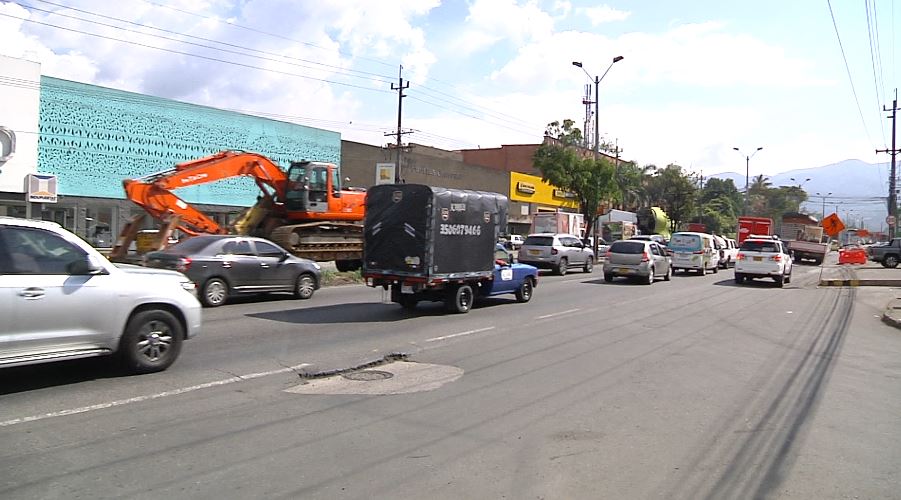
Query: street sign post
x=833 y=225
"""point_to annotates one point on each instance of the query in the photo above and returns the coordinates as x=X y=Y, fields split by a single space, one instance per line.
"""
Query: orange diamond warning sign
x=832 y=225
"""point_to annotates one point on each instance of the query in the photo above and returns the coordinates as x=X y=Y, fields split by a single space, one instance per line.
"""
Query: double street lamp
x=823 y=196
x=747 y=176
x=597 y=82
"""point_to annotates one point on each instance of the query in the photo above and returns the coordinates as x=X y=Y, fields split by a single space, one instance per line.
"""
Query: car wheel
x=716 y=268
x=650 y=279
x=589 y=265
x=890 y=261
x=304 y=286
x=668 y=275
x=779 y=281
x=524 y=294
x=459 y=299
x=151 y=342
x=739 y=279
x=788 y=277
x=215 y=292
x=562 y=266
x=608 y=278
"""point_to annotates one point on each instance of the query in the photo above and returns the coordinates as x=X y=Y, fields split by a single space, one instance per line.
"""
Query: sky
x=697 y=78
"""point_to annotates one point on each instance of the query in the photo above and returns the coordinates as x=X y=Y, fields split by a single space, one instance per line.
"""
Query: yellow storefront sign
x=531 y=189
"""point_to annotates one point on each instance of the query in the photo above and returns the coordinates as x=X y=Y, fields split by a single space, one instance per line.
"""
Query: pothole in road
x=401 y=377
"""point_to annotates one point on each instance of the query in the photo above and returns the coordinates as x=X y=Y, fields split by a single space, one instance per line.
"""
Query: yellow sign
x=542 y=192
x=833 y=225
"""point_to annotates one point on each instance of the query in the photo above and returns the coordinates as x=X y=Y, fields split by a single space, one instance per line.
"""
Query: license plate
x=406 y=289
x=534 y=252
x=624 y=270
x=758 y=259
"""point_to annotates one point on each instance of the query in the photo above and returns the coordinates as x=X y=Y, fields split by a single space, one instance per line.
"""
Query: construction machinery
x=303 y=209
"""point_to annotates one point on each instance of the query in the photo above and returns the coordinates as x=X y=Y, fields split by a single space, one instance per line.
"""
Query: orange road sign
x=833 y=225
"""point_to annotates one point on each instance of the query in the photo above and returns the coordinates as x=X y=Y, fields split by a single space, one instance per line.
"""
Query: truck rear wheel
x=459 y=299
x=407 y=301
x=348 y=265
x=890 y=261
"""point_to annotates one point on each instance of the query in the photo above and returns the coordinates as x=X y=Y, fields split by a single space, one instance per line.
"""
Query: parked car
x=515 y=241
x=694 y=252
x=887 y=253
x=763 y=257
x=223 y=266
x=557 y=251
x=728 y=253
x=635 y=258
x=60 y=299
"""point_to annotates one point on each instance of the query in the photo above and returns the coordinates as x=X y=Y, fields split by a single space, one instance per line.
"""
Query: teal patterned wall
x=93 y=137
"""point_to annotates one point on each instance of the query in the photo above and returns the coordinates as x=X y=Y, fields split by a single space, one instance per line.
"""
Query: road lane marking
x=148 y=397
x=461 y=334
x=558 y=313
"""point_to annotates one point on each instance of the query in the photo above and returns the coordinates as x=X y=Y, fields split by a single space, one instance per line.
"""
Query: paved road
x=694 y=388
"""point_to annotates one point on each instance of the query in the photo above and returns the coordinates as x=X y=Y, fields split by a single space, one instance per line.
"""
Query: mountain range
x=855 y=189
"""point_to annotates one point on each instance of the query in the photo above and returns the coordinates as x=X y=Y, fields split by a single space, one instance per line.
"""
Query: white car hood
x=133 y=269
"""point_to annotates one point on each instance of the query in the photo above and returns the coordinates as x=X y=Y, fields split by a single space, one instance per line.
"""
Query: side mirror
x=83 y=267
x=283 y=257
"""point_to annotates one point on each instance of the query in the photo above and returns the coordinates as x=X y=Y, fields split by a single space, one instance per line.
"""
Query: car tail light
x=608 y=254
x=553 y=251
x=183 y=264
x=698 y=252
x=644 y=257
x=777 y=257
x=740 y=256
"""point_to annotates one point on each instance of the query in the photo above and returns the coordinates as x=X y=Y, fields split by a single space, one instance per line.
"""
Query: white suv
x=763 y=257
x=60 y=299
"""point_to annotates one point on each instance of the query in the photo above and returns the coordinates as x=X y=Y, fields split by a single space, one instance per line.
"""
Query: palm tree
x=760 y=184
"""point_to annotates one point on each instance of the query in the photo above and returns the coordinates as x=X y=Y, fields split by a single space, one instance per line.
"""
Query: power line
x=189 y=54
x=873 y=58
x=848 y=69
x=280 y=58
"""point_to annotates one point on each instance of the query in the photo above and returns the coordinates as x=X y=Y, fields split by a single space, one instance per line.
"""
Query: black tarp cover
x=418 y=230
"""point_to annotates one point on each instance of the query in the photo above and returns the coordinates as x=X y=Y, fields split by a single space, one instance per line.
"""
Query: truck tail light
x=183 y=264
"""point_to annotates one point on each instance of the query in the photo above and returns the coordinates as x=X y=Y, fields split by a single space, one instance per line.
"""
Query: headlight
x=189 y=286
x=317 y=266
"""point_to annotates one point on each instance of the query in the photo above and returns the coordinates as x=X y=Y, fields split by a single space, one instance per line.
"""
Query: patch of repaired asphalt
x=408 y=377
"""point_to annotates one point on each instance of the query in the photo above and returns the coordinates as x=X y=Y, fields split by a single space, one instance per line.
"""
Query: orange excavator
x=304 y=210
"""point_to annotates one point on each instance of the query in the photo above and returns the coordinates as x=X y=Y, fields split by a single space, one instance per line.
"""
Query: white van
x=694 y=252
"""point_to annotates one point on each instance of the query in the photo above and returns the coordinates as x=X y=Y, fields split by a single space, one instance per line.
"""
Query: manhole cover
x=368 y=375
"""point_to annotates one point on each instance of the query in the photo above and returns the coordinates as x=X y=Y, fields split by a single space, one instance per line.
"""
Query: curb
x=859 y=282
x=890 y=321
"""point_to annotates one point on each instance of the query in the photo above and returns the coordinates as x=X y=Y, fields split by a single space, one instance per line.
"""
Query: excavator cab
x=310 y=185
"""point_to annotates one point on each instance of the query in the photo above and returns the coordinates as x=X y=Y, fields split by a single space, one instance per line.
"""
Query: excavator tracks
x=323 y=241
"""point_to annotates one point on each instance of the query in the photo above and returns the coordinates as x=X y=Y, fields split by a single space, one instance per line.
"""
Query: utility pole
x=400 y=104
x=892 y=195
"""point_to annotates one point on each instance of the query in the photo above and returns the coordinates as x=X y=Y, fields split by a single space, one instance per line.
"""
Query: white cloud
x=491 y=21
x=604 y=14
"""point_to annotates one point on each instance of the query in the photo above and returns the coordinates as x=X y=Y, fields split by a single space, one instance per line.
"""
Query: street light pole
x=747 y=177
x=597 y=83
x=824 y=205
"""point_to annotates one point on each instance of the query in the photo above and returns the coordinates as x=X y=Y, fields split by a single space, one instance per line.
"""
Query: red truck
x=753 y=225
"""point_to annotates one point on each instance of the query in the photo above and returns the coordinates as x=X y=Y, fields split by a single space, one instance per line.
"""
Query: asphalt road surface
x=693 y=388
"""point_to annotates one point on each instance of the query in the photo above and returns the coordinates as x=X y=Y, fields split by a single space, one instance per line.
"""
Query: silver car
x=557 y=251
x=642 y=259
x=60 y=299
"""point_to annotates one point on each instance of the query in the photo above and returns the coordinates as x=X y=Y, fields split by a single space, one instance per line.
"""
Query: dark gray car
x=229 y=265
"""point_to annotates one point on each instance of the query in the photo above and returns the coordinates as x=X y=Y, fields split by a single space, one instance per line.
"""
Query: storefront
x=530 y=195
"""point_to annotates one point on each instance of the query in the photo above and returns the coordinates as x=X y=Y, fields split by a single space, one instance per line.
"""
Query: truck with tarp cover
x=428 y=243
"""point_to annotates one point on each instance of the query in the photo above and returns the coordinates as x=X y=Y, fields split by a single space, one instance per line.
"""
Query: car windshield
x=759 y=246
x=540 y=241
x=634 y=247
x=685 y=242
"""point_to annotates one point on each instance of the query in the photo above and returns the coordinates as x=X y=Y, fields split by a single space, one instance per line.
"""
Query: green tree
x=721 y=202
x=564 y=165
x=676 y=192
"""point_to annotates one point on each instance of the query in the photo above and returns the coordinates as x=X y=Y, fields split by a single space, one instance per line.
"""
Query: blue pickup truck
x=434 y=244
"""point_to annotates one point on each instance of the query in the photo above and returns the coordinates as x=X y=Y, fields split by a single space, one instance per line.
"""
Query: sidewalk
x=869 y=274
